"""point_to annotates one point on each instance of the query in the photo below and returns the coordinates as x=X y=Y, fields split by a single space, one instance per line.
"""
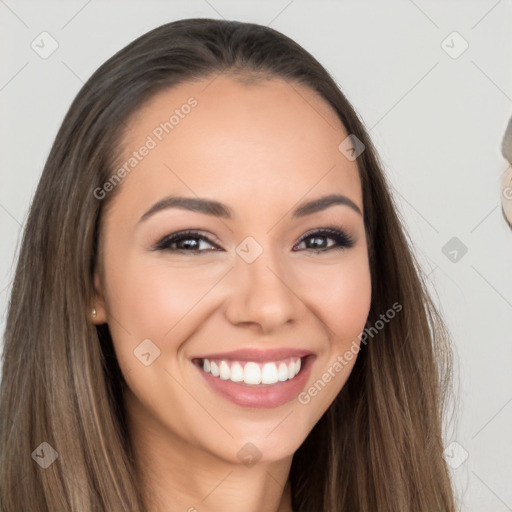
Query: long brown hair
x=379 y=445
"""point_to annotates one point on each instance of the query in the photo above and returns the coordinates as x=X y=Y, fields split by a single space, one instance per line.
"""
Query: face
x=205 y=301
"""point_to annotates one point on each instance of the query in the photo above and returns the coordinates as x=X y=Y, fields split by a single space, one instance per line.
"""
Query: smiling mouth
x=251 y=373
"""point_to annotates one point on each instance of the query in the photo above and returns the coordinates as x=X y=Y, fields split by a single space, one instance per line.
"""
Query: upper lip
x=257 y=355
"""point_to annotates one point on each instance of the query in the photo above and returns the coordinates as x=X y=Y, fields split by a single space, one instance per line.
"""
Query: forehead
x=222 y=138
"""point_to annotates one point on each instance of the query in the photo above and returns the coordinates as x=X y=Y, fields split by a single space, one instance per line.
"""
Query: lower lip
x=260 y=396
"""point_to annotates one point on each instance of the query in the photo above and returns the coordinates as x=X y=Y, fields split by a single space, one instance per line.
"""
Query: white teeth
x=291 y=370
x=214 y=369
x=282 y=372
x=237 y=373
x=224 y=370
x=254 y=373
x=269 y=373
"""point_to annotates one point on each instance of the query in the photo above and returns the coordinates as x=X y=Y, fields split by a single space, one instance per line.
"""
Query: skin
x=261 y=149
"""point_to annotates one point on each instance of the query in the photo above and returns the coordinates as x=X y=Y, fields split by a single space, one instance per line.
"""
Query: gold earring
x=93 y=313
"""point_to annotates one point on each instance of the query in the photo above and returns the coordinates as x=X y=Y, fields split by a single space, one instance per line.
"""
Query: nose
x=264 y=295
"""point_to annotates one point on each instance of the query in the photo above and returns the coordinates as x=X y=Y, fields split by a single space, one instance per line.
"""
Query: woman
x=215 y=305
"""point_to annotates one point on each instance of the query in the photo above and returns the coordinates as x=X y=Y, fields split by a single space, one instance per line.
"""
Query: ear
x=99 y=301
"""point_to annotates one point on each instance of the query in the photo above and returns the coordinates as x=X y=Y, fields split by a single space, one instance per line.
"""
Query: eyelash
x=341 y=238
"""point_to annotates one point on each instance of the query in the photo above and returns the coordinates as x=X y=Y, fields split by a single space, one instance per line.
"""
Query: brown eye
x=185 y=241
x=341 y=240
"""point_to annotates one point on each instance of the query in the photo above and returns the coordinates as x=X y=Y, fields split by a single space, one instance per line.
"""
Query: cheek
x=341 y=299
x=348 y=304
x=340 y=295
x=152 y=300
x=159 y=297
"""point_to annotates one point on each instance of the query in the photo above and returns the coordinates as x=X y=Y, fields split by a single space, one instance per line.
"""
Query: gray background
x=436 y=120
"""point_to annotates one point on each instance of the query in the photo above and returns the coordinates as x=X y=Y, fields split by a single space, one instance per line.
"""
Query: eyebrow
x=217 y=209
